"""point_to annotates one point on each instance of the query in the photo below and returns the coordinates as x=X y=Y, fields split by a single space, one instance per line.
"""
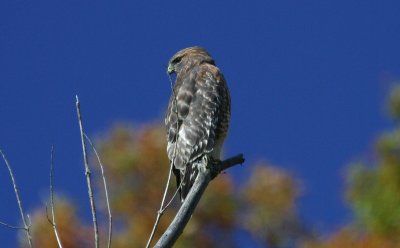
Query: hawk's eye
x=177 y=60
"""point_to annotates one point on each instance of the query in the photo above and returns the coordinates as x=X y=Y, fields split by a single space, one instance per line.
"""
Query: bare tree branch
x=176 y=227
x=174 y=195
x=88 y=176
x=21 y=211
x=53 y=217
x=105 y=190
x=161 y=210
x=10 y=226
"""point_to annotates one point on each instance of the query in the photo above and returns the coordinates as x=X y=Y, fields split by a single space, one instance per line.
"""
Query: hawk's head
x=188 y=57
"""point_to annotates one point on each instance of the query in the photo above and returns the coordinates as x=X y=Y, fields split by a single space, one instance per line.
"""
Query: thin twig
x=10 y=226
x=53 y=215
x=176 y=227
x=21 y=211
x=174 y=195
x=53 y=225
x=47 y=214
x=162 y=209
x=88 y=176
x=105 y=190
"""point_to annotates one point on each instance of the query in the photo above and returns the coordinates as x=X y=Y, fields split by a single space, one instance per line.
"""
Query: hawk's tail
x=185 y=178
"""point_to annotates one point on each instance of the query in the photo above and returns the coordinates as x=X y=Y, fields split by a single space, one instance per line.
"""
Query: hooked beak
x=170 y=69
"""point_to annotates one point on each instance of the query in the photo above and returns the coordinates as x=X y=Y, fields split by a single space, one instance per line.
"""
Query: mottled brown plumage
x=197 y=120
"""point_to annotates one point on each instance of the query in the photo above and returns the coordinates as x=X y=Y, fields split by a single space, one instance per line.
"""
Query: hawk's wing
x=192 y=125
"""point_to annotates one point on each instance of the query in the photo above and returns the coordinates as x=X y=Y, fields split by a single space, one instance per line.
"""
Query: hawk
x=198 y=114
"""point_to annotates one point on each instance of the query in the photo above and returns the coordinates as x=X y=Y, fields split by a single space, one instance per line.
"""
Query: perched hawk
x=198 y=114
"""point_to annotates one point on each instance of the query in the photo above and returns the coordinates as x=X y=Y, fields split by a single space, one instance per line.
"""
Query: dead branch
x=10 y=226
x=176 y=227
x=52 y=221
x=105 y=191
x=26 y=226
x=88 y=176
x=161 y=210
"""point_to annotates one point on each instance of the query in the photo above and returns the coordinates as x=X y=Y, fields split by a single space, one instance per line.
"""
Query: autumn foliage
x=263 y=207
x=137 y=167
x=373 y=193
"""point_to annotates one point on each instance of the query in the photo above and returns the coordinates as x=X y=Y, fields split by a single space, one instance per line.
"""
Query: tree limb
x=110 y=221
x=10 y=226
x=52 y=221
x=27 y=226
x=176 y=227
x=88 y=175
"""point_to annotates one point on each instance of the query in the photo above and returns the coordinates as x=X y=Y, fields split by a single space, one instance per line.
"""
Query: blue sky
x=308 y=81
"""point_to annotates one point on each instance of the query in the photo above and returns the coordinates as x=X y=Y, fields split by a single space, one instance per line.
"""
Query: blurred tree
x=394 y=102
x=137 y=167
x=270 y=206
x=374 y=194
x=138 y=171
x=72 y=232
x=351 y=237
